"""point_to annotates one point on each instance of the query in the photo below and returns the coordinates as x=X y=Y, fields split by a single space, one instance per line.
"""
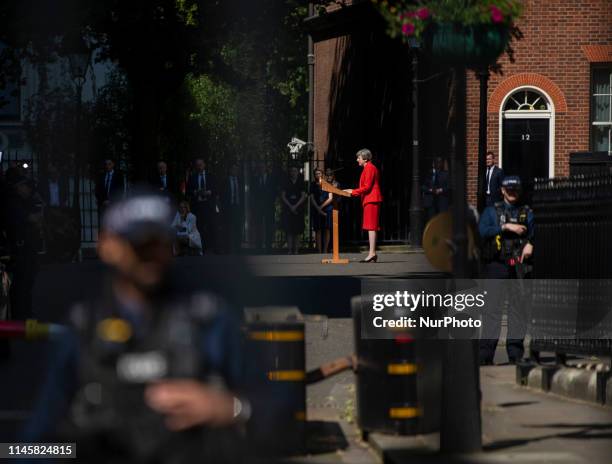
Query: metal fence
x=573 y=263
x=29 y=165
x=590 y=163
x=89 y=212
x=394 y=211
x=24 y=159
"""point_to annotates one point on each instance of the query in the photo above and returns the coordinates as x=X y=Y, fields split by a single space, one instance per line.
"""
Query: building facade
x=363 y=99
x=554 y=99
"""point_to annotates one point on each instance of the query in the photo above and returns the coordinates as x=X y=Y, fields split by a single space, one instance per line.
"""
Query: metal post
x=460 y=430
x=246 y=204
x=77 y=153
x=311 y=64
x=416 y=209
x=310 y=140
x=483 y=76
x=79 y=61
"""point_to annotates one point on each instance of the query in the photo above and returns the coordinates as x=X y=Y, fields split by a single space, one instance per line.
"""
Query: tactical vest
x=116 y=364
x=507 y=245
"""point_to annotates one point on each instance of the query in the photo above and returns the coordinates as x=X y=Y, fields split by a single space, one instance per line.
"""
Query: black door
x=525 y=149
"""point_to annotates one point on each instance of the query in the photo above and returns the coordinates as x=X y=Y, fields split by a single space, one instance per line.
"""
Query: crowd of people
x=210 y=211
x=211 y=218
x=39 y=219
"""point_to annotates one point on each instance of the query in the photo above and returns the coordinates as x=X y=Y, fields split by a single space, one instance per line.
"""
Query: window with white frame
x=601 y=110
x=526 y=100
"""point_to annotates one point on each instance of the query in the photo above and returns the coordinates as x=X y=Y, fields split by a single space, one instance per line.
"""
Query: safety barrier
x=573 y=263
x=275 y=345
x=398 y=381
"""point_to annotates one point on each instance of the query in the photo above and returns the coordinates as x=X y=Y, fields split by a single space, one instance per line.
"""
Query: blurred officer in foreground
x=144 y=374
x=507 y=231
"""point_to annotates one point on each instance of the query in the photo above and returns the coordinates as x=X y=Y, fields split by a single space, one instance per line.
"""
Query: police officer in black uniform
x=145 y=374
x=507 y=231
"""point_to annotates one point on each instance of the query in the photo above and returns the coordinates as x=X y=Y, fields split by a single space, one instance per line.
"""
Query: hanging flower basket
x=472 y=46
x=455 y=32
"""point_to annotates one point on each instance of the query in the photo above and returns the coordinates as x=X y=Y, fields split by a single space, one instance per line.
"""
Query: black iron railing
x=573 y=264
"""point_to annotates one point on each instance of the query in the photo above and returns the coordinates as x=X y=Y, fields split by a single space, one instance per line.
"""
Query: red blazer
x=369 y=188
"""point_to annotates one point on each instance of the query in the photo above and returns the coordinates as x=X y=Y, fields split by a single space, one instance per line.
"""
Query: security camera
x=295 y=146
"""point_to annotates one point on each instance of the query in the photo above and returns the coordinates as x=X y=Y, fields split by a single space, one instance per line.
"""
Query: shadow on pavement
x=586 y=433
x=324 y=437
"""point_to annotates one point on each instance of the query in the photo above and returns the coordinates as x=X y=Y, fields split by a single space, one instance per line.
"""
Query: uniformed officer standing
x=507 y=231
x=145 y=375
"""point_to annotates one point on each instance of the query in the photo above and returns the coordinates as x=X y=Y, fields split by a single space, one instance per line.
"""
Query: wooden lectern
x=335 y=259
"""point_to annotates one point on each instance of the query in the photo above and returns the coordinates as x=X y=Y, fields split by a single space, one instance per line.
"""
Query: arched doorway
x=527 y=135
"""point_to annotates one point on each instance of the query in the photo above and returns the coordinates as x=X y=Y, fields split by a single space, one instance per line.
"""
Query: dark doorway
x=525 y=149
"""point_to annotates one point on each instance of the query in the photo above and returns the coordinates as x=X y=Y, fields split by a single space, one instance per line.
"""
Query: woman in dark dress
x=321 y=212
x=293 y=197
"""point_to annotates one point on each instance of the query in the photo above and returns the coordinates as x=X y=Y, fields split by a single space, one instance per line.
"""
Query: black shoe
x=486 y=362
x=373 y=259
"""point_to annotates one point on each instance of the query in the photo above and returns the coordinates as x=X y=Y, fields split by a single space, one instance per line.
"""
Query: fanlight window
x=526 y=100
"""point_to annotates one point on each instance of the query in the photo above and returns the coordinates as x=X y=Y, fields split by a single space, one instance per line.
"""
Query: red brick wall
x=328 y=59
x=552 y=55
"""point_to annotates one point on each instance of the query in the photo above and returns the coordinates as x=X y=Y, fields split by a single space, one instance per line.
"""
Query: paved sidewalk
x=388 y=265
x=520 y=425
x=519 y=422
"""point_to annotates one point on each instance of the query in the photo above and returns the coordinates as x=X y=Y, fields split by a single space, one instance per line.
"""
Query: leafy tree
x=219 y=78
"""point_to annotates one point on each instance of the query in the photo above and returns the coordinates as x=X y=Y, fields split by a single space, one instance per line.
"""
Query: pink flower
x=408 y=29
x=422 y=13
x=496 y=15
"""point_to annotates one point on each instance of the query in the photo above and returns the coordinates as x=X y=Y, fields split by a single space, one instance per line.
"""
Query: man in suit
x=436 y=191
x=202 y=194
x=263 y=198
x=162 y=181
x=492 y=182
x=110 y=185
x=232 y=209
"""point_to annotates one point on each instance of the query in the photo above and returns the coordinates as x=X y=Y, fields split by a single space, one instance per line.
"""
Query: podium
x=335 y=259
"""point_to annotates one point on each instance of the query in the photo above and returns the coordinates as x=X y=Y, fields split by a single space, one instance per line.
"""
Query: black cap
x=139 y=218
x=511 y=182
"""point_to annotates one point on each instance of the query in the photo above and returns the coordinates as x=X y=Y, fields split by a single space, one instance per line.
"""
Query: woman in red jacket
x=371 y=198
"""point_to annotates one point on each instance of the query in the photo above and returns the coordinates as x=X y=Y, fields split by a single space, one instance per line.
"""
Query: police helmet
x=512 y=182
x=139 y=218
